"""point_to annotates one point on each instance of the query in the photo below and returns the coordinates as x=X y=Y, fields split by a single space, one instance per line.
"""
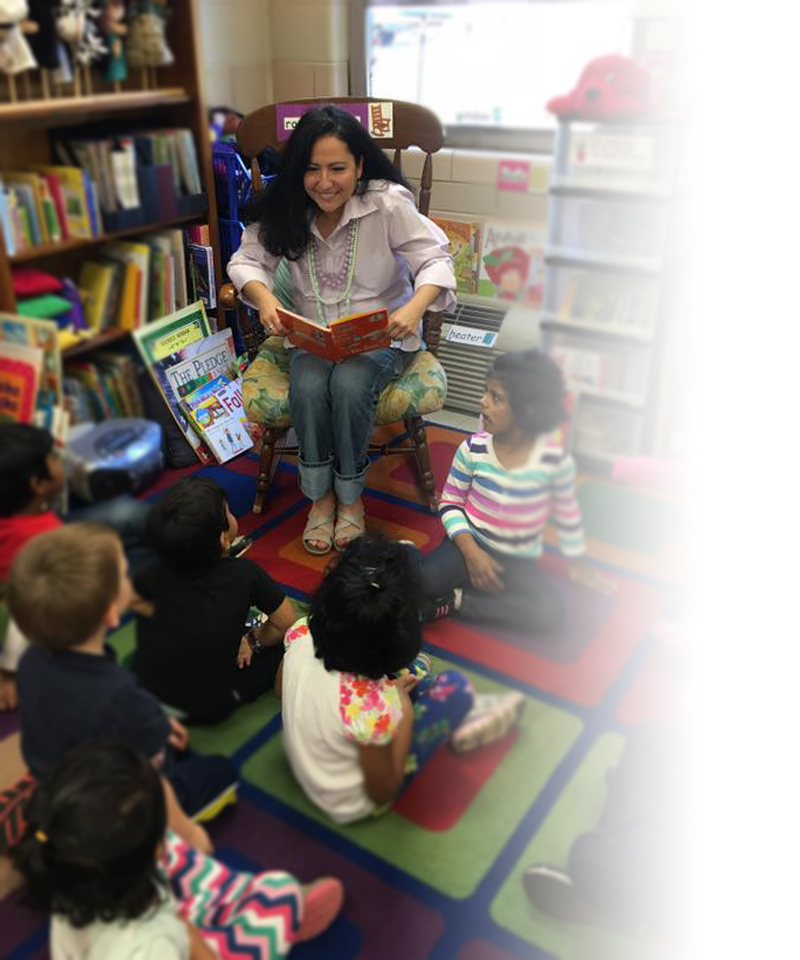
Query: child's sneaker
x=490 y=719
x=441 y=606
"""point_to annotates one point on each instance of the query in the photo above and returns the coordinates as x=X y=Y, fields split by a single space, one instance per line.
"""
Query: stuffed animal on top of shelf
x=147 y=40
x=113 y=28
x=610 y=87
x=15 y=52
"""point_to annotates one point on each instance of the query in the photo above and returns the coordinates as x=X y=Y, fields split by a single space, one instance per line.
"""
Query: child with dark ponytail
x=96 y=855
x=361 y=710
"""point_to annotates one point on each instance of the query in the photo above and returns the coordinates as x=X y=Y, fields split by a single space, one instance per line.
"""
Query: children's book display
x=511 y=265
x=346 y=337
x=216 y=412
x=196 y=373
x=31 y=383
x=464 y=237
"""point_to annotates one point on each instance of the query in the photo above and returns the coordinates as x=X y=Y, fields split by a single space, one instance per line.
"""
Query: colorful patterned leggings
x=440 y=704
x=239 y=915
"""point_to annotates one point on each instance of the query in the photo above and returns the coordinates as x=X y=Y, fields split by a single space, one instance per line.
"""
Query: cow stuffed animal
x=610 y=88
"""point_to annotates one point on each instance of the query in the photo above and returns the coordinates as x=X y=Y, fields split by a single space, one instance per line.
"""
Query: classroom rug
x=439 y=876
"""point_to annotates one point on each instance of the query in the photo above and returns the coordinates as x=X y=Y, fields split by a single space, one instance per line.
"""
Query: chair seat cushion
x=420 y=389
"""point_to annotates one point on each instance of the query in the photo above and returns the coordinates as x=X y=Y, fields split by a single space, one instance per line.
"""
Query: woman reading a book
x=344 y=219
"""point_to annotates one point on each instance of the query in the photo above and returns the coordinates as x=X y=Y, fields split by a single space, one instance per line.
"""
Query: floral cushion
x=420 y=389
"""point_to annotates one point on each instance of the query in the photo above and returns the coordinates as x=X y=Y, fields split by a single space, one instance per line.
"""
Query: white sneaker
x=491 y=718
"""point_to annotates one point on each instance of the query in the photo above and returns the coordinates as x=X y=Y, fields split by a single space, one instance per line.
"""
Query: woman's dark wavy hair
x=94 y=827
x=535 y=390
x=283 y=209
x=365 y=616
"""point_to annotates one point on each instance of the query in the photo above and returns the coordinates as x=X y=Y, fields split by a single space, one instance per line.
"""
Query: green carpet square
x=625 y=518
x=576 y=811
x=453 y=861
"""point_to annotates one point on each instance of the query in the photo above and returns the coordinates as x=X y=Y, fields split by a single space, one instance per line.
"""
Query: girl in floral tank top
x=361 y=710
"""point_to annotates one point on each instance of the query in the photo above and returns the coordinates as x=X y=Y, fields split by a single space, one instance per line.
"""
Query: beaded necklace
x=344 y=277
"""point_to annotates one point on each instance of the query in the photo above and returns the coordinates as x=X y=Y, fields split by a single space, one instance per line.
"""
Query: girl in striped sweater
x=505 y=483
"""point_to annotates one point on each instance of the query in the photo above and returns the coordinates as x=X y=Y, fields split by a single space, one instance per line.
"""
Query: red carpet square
x=584 y=681
x=454 y=782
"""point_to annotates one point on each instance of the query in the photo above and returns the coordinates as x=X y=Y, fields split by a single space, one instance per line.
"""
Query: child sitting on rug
x=67 y=588
x=194 y=653
x=31 y=479
x=352 y=734
x=96 y=855
x=504 y=485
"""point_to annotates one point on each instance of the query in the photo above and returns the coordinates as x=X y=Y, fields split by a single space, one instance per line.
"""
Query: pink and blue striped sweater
x=508 y=510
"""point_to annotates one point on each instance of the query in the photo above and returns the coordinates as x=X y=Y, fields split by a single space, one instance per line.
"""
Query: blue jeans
x=333 y=411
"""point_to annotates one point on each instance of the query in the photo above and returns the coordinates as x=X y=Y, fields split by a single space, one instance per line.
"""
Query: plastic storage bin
x=601 y=366
x=615 y=302
x=617 y=233
x=627 y=157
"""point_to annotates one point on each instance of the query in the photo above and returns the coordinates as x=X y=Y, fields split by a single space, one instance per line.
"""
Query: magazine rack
x=421 y=389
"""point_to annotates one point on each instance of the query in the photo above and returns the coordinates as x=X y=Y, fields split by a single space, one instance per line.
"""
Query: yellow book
x=73 y=182
x=137 y=254
x=96 y=281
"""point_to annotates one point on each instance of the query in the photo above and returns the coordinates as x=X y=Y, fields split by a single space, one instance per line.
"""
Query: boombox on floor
x=113 y=457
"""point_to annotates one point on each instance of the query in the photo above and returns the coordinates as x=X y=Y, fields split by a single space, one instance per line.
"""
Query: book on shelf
x=102 y=283
x=77 y=198
x=161 y=345
x=201 y=274
x=581 y=368
x=511 y=263
x=346 y=337
x=607 y=300
x=216 y=412
x=464 y=237
x=42 y=335
x=20 y=371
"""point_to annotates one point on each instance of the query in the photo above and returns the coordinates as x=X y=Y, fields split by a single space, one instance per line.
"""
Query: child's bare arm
x=198 y=948
x=384 y=766
x=271 y=632
x=179 y=822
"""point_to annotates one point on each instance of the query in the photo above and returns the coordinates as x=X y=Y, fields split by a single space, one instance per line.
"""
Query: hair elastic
x=41 y=836
x=370 y=573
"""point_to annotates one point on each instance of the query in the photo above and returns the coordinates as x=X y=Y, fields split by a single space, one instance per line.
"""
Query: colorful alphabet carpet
x=439 y=877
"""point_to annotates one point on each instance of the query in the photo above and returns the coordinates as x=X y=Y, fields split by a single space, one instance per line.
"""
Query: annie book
x=346 y=337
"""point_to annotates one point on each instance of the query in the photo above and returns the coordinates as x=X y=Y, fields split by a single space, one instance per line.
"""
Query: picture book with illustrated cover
x=20 y=369
x=511 y=264
x=160 y=344
x=216 y=412
x=464 y=243
x=346 y=337
x=202 y=361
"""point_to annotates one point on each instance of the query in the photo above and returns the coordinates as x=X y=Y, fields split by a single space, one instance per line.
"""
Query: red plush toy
x=610 y=87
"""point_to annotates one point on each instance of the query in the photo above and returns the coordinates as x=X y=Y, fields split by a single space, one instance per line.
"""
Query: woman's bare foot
x=318 y=533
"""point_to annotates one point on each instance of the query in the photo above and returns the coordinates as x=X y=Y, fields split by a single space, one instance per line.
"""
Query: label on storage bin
x=470 y=336
x=612 y=151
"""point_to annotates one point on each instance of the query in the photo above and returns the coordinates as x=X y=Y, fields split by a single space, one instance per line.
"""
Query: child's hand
x=245 y=655
x=405 y=683
x=9 y=699
x=588 y=576
x=179 y=738
x=484 y=571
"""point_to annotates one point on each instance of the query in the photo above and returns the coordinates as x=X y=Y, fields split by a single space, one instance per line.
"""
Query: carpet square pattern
x=438 y=877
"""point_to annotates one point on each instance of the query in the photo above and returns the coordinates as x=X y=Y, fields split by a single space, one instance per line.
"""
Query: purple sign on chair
x=287 y=115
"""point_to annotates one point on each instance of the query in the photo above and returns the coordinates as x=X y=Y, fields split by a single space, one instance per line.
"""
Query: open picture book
x=342 y=338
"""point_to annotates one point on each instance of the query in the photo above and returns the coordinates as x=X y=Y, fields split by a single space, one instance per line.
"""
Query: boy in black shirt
x=193 y=652
x=67 y=588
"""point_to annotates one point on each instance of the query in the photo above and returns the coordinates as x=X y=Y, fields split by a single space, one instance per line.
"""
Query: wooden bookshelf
x=178 y=101
x=53 y=249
